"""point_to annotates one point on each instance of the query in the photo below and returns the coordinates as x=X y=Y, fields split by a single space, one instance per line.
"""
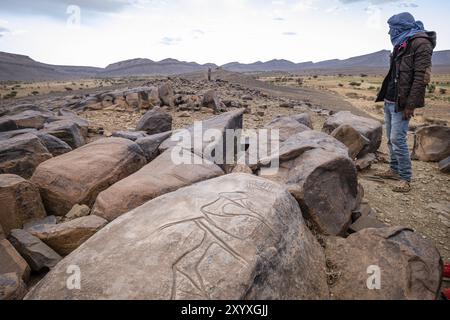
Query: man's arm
x=422 y=75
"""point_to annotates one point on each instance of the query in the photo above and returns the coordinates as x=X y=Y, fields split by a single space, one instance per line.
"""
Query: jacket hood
x=430 y=35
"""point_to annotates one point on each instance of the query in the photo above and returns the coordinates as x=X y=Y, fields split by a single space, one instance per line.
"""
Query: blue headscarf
x=403 y=27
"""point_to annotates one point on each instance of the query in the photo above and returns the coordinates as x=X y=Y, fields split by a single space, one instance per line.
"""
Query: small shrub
x=443 y=91
x=355 y=84
x=35 y=93
x=341 y=85
x=68 y=89
x=431 y=88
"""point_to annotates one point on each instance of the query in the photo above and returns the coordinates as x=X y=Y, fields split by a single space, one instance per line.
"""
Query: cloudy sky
x=100 y=32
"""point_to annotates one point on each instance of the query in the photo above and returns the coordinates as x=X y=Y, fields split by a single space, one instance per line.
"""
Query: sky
x=100 y=32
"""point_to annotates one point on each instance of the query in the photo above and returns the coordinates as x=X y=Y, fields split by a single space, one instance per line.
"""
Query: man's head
x=403 y=24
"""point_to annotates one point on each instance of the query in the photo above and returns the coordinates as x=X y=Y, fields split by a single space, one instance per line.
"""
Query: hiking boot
x=402 y=187
x=388 y=174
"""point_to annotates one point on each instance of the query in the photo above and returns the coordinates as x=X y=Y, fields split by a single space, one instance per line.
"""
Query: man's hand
x=408 y=114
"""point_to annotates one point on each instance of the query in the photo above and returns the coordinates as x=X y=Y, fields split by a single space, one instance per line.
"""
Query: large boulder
x=66 y=237
x=432 y=144
x=20 y=202
x=38 y=255
x=369 y=128
x=12 y=287
x=211 y=100
x=150 y=144
x=349 y=136
x=161 y=176
x=53 y=144
x=66 y=130
x=317 y=171
x=409 y=266
x=287 y=127
x=166 y=95
x=79 y=176
x=232 y=120
x=22 y=154
x=235 y=237
x=12 y=261
x=155 y=121
x=66 y=114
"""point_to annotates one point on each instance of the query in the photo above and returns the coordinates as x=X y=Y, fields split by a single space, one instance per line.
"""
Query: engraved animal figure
x=225 y=224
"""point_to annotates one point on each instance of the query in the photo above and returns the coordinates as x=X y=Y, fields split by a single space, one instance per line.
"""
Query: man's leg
x=399 y=136
x=389 y=112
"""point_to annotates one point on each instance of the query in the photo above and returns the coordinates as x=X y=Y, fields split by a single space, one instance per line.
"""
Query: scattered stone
x=161 y=176
x=22 y=154
x=432 y=144
x=369 y=128
x=79 y=176
x=410 y=266
x=78 y=211
x=20 y=202
x=236 y=237
x=155 y=121
x=11 y=261
x=66 y=130
x=37 y=254
x=67 y=236
x=12 y=287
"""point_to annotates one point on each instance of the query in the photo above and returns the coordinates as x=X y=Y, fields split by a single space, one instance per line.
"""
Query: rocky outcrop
x=38 y=255
x=66 y=237
x=409 y=266
x=432 y=144
x=79 y=176
x=155 y=121
x=368 y=128
x=22 y=154
x=235 y=237
x=161 y=176
x=20 y=202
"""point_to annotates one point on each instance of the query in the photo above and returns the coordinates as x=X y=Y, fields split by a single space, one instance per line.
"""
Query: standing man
x=403 y=91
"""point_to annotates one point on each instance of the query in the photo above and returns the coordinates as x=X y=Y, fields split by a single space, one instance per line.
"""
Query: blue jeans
x=397 y=133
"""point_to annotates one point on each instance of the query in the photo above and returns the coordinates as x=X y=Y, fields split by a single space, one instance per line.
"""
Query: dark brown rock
x=349 y=136
x=155 y=121
x=150 y=144
x=12 y=287
x=432 y=144
x=11 y=261
x=68 y=131
x=444 y=165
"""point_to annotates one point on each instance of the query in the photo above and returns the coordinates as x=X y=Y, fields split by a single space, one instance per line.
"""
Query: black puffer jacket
x=413 y=72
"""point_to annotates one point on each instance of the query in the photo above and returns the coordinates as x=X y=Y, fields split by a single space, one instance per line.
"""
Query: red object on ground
x=446 y=270
x=446 y=294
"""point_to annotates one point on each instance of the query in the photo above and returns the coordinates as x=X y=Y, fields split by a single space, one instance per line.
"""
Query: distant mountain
x=22 y=68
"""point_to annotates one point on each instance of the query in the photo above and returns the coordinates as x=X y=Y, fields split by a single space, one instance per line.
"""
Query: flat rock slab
x=432 y=144
x=38 y=255
x=66 y=237
x=410 y=266
x=287 y=127
x=235 y=237
x=161 y=176
x=369 y=128
x=22 y=154
x=68 y=131
x=12 y=261
x=20 y=202
x=30 y=119
x=79 y=176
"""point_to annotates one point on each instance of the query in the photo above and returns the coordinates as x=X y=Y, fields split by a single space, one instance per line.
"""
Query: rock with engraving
x=396 y=263
x=22 y=154
x=369 y=128
x=79 y=176
x=316 y=169
x=235 y=237
x=432 y=144
x=20 y=202
x=161 y=176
